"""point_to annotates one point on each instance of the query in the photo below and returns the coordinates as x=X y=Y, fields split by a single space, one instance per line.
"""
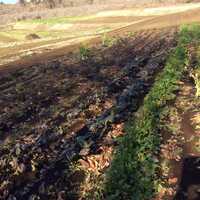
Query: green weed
x=189 y=34
x=108 y=41
x=57 y=20
x=130 y=34
x=196 y=77
x=84 y=52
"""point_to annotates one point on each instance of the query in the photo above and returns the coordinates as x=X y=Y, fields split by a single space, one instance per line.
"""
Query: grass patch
x=196 y=77
x=191 y=34
x=84 y=52
x=58 y=20
x=133 y=173
x=108 y=41
x=17 y=35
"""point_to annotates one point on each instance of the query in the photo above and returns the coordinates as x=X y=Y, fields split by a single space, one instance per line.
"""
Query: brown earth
x=154 y=22
x=70 y=110
x=188 y=167
x=180 y=149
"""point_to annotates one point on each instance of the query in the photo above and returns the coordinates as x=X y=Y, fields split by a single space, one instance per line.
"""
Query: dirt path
x=191 y=134
x=189 y=178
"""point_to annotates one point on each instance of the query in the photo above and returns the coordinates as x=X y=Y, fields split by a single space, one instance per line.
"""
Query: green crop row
x=134 y=170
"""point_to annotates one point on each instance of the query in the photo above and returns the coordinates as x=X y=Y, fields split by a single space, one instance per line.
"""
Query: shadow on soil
x=189 y=188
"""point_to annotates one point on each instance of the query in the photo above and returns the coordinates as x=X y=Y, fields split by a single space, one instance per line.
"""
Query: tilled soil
x=25 y=54
x=60 y=112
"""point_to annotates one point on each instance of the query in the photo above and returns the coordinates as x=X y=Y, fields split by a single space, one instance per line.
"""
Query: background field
x=28 y=35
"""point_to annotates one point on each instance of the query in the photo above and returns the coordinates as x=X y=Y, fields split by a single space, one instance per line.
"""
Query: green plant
x=84 y=52
x=130 y=34
x=108 y=41
x=189 y=34
x=196 y=77
x=56 y=20
x=133 y=173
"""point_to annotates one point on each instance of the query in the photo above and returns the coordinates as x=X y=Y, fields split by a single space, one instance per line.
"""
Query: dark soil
x=32 y=36
x=190 y=182
x=56 y=113
x=189 y=187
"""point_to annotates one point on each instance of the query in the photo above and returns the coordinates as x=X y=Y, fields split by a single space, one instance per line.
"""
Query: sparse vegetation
x=133 y=174
x=196 y=76
x=84 y=52
x=130 y=34
x=57 y=20
x=191 y=34
x=195 y=73
x=108 y=41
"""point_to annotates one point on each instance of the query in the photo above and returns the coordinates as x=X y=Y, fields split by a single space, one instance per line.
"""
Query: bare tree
x=22 y=2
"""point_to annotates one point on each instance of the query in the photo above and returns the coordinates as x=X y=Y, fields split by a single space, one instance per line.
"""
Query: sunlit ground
x=16 y=40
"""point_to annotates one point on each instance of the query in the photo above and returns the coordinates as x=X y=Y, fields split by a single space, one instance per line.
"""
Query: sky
x=8 y=1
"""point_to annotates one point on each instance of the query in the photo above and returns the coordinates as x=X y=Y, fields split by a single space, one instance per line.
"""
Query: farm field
x=113 y=114
x=75 y=116
x=40 y=39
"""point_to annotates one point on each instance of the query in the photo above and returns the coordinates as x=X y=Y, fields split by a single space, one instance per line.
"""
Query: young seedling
x=84 y=52
x=108 y=41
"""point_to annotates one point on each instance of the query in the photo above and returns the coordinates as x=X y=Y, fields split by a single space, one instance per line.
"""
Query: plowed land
x=66 y=110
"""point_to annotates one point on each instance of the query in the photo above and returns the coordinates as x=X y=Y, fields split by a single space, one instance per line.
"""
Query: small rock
x=32 y=36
